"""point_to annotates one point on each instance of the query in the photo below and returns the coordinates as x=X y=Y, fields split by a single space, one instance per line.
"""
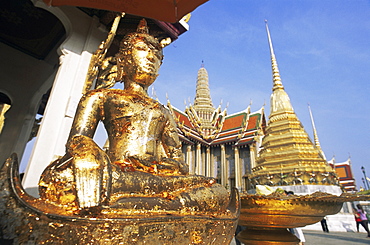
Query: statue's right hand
x=172 y=164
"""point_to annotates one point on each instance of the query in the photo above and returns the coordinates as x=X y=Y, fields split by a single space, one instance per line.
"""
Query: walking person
x=358 y=220
x=364 y=220
x=299 y=234
x=324 y=225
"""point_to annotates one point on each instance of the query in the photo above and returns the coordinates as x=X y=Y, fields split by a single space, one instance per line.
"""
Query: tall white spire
x=203 y=101
x=201 y=113
x=315 y=136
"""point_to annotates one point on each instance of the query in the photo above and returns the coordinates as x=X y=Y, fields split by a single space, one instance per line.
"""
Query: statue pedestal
x=132 y=230
x=27 y=219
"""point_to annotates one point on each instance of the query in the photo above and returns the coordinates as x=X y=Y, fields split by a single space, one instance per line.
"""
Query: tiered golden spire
x=277 y=84
x=203 y=101
x=202 y=110
x=288 y=156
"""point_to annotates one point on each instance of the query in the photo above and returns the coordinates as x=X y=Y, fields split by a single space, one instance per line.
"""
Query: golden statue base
x=29 y=220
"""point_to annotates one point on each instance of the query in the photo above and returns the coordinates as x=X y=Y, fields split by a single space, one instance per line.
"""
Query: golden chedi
x=288 y=157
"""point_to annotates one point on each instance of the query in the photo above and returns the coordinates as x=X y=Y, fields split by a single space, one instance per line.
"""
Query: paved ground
x=333 y=238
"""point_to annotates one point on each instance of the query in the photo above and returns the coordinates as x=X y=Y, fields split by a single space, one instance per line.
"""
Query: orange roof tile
x=182 y=118
x=233 y=121
x=252 y=122
x=344 y=172
x=229 y=132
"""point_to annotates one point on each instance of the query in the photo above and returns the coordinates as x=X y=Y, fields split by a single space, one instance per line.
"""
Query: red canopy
x=164 y=10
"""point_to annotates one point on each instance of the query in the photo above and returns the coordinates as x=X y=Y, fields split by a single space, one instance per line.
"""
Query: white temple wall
x=84 y=34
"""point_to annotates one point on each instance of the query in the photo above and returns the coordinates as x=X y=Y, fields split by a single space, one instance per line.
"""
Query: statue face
x=141 y=62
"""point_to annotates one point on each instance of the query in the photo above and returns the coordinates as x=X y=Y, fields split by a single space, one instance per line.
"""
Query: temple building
x=216 y=144
x=344 y=172
x=288 y=158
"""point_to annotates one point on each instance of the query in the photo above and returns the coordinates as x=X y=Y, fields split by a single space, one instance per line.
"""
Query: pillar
x=252 y=152
x=198 y=155
x=208 y=162
x=238 y=169
x=224 y=167
x=189 y=159
x=83 y=39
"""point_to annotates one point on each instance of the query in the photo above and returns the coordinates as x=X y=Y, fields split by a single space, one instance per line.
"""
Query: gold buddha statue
x=143 y=167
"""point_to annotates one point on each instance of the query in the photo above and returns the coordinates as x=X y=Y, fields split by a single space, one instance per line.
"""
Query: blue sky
x=323 y=52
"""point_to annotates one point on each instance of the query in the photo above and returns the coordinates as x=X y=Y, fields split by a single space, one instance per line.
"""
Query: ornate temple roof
x=239 y=129
x=202 y=113
x=202 y=123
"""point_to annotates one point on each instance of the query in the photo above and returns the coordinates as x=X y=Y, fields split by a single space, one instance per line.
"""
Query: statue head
x=139 y=57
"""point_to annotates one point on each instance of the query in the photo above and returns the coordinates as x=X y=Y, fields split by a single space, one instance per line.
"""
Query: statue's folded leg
x=140 y=190
x=88 y=179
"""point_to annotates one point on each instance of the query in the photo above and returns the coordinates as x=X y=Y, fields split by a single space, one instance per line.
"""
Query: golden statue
x=143 y=168
x=139 y=190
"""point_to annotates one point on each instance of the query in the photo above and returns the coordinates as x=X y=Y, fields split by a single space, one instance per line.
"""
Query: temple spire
x=202 y=110
x=277 y=84
x=203 y=101
x=315 y=136
x=280 y=101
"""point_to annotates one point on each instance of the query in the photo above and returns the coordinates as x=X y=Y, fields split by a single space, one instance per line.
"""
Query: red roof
x=344 y=172
x=252 y=122
x=182 y=118
x=239 y=129
x=234 y=122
